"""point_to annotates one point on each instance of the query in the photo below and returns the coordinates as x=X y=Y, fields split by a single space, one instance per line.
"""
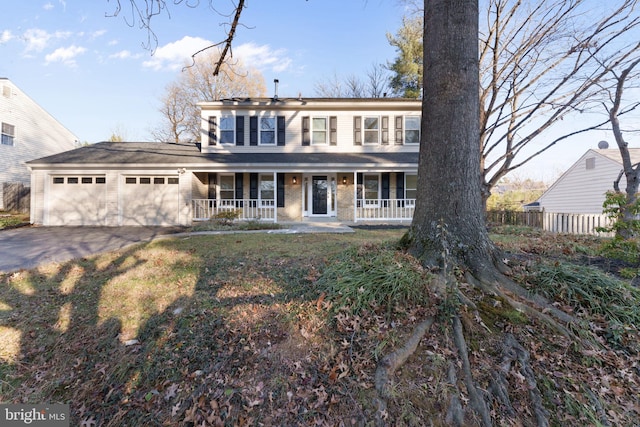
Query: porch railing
x=250 y=209
x=384 y=209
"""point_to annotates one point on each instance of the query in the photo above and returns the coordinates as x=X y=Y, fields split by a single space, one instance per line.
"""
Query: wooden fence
x=552 y=221
x=531 y=219
x=16 y=197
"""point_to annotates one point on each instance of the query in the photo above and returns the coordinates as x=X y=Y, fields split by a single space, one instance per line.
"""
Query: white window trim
x=365 y=130
x=326 y=130
x=9 y=136
x=267 y=202
x=219 y=186
x=232 y=130
x=405 y=129
x=275 y=130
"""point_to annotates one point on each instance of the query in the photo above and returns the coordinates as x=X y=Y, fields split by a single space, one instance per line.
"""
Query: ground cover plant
x=300 y=329
x=13 y=219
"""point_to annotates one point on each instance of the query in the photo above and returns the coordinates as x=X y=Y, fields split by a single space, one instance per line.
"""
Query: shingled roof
x=112 y=154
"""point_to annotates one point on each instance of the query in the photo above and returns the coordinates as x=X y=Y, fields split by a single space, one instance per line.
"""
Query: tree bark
x=449 y=214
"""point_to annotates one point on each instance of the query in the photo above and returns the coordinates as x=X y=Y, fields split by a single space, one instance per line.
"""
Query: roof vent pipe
x=275 y=82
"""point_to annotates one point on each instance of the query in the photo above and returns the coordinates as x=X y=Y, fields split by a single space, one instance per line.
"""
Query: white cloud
x=66 y=55
x=262 y=57
x=5 y=36
x=172 y=56
x=38 y=39
x=124 y=54
x=48 y=6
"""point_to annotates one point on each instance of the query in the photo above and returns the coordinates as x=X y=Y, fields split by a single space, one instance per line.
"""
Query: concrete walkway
x=29 y=247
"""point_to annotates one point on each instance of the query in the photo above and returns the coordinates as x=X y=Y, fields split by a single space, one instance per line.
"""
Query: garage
x=150 y=200
x=77 y=200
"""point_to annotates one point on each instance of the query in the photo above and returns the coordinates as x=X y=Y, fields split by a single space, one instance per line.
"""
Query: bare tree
x=142 y=13
x=539 y=65
x=196 y=83
x=630 y=171
x=374 y=85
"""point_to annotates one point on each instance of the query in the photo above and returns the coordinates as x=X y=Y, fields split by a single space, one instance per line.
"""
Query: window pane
x=226 y=123
x=319 y=123
x=266 y=187
x=145 y=180
x=172 y=180
x=319 y=134
x=371 y=123
x=101 y=180
x=73 y=180
x=227 y=130
x=130 y=180
x=58 y=180
x=227 y=137
x=87 y=180
x=371 y=187
x=412 y=136
x=411 y=186
x=227 y=188
x=158 y=180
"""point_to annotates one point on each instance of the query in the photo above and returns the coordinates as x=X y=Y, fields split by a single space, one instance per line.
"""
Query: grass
x=282 y=329
x=13 y=219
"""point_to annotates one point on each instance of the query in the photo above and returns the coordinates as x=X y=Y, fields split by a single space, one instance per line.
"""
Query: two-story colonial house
x=271 y=159
x=27 y=132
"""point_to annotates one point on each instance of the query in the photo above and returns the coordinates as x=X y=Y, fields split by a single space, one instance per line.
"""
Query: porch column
x=275 y=196
x=355 y=196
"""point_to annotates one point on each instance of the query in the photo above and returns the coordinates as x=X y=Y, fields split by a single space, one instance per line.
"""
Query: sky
x=98 y=74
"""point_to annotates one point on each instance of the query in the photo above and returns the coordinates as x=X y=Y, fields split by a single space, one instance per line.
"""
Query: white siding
x=37 y=134
x=582 y=190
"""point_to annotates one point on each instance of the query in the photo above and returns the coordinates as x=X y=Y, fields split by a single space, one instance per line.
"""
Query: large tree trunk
x=449 y=214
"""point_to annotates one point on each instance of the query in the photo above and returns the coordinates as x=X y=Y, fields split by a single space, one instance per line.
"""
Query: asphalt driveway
x=28 y=247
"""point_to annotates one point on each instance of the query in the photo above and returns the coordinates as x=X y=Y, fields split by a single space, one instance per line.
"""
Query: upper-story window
x=412 y=130
x=8 y=134
x=227 y=130
x=371 y=130
x=267 y=130
x=319 y=134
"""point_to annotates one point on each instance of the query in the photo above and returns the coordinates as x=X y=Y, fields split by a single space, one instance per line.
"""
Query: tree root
x=476 y=399
x=393 y=361
x=511 y=353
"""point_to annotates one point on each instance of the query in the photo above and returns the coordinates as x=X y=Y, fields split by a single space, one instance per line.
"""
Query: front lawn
x=262 y=329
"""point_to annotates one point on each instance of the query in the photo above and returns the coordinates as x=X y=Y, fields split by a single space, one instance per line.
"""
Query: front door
x=319 y=191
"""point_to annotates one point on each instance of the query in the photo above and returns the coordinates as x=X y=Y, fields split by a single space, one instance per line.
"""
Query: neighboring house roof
x=582 y=187
x=189 y=155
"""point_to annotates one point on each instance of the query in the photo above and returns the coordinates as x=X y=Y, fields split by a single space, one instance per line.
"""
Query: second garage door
x=150 y=200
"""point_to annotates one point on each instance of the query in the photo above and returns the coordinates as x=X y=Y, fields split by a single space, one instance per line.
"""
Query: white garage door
x=150 y=200
x=77 y=200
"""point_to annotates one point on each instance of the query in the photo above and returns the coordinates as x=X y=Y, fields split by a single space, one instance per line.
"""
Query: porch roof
x=149 y=154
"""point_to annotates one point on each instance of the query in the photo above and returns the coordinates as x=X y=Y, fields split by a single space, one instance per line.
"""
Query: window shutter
x=253 y=130
x=385 y=181
x=400 y=188
x=280 y=189
x=213 y=131
x=239 y=130
x=333 y=130
x=212 y=185
x=385 y=130
x=253 y=186
x=280 y=125
x=306 y=135
x=239 y=189
x=357 y=130
x=398 y=130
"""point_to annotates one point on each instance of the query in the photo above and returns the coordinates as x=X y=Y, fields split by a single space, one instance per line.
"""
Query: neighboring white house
x=273 y=159
x=27 y=132
x=582 y=188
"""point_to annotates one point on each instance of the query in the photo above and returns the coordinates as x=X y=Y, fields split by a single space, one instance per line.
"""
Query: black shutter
x=212 y=185
x=213 y=134
x=398 y=130
x=386 y=181
x=359 y=189
x=239 y=130
x=280 y=189
x=357 y=130
x=239 y=190
x=253 y=130
x=306 y=135
x=253 y=185
x=280 y=126
x=385 y=130
x=333 y=130
x=400 y=188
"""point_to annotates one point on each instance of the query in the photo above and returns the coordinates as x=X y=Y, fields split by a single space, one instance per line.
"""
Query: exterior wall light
x=294 y=180
x=344 y=180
